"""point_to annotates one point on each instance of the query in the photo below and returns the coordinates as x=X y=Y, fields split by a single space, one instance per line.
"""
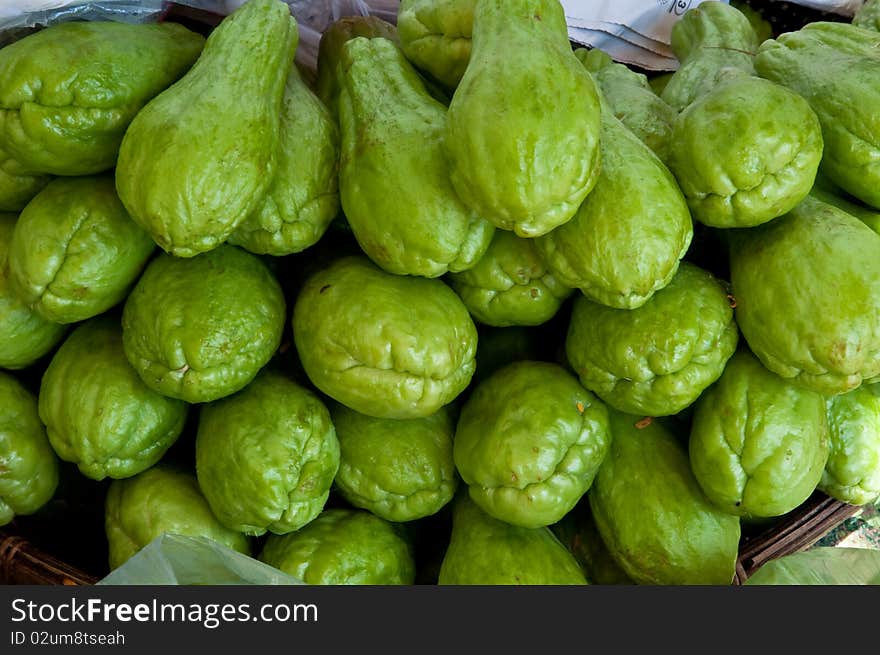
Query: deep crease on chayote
x=436 y=36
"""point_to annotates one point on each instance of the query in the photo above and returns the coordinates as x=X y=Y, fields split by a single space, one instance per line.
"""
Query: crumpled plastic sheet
x=173 y=559
x=822 y=566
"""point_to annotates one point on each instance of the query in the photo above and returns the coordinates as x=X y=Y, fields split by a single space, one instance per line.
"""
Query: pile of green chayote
x=474 y=308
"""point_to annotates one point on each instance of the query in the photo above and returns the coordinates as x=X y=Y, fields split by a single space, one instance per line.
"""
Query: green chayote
x=758 y=442
x=97 y=411
x=653 y=516
x=28 y=466
x=385 y=345
x=852 y=472
x=834 y=67
x=485 y=551
x=159 y=500
x=627 y=238
x=201 y=328
x=399 y=469
x=75 y=251
x=25 y=336
x=807 y=289
x=266 y=456
x=529 y=167
x=657 y=359
x=393 y=176
x=436 y=36
x=17 y=185
x=199 y=158
x=510 y=284
x=69 y=91
x=578 y=531
x=343 y=547
x=304 y=195
x=529 y=442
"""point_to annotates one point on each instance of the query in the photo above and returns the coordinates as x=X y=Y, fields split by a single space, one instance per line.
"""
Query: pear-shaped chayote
x=28 y=466
x=69 y=91
x=75 y=251
x=199 y=158
x=393 y=174
x=523 y=125
x=758 y=442
x=436 y=36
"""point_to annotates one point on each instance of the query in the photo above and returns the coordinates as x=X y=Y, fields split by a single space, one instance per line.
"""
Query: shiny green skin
x=400 y=470
x=384 y=345
x=220 y=122
x=333 y=39
x=266 y=456
x=510 y=285
x=635 y=201
x=161 y=499
x=97 y=411
x=834 y=66
x=393 y=174
x=653 y=516
x=28 y=467
x=529 y=442
x=657 y=359
x=739 y=172
x=485 y=551
x=868 y=16
x=578 y=531
x=75 y=251
x=852 y=472
x=631 y=99
x=711 y=41
x=17 y=185
x=304 y=196
x=199 y=329
x=523 y=126
x=25 y=336
x=70 y=91
x=343 y=547
x=436 y=36
x=758 y=442
x=807 y=289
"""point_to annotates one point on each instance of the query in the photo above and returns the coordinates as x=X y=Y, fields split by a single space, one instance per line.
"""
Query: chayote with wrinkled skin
x=578 y=531
x=635 y=201
x=736 y=171
x=868 y=16
x=710 y=39
x=201 y=328
x=631 y=99
x=199 y=158
x=653 y=516
x=333 y=39
x=510 y=284
x=655 y=360
x=758 y=442
x=304 y=195
x=807 y=289
x=344 y=547
x=97 y=411
x=852 y=472
x=523 y=126
x=75 y=251
x=835 y=67
x=69 y=91
x=28 y=466
x=436 y=36
x=485 y=551
x=17 y=185
x=266 y=456
x=159 y=500
x=25 y=336
x=529 y=442
x=393 y=176
x=398 y=469
x=385 y=345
